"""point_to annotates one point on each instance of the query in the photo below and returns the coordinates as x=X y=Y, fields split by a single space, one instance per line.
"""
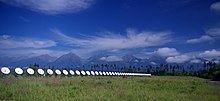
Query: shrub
x=216 y=76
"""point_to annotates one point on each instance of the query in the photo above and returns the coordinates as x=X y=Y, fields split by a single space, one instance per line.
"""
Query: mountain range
x=72 y=60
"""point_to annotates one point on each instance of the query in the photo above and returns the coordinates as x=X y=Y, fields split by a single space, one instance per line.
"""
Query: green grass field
x=159 y=88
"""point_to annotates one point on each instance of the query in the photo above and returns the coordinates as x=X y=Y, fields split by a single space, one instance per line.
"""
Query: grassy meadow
x=156 y=88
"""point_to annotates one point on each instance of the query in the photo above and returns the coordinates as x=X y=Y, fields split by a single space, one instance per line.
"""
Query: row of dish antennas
x=30 y=71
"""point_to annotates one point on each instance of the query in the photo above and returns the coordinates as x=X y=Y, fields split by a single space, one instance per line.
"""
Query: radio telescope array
x=30 y=71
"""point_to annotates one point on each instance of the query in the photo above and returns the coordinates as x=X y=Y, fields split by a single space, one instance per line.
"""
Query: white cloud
x=201 y=39
x=178 y=59
x=51 y=6
x=211 y=34
x=215 y=6
x=111 y=58
x=132 y=39
x=6 y=42
x=216 y=61
x=5 y=37
x=167 y=52
x=54 y=53
x=195 y=61
x=210 y=54
x=215 y=32
x=153 y=63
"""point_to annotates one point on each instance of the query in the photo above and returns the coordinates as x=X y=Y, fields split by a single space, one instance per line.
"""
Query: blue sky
x=180 y=30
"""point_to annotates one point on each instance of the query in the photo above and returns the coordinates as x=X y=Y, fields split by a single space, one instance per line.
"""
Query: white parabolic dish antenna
x=113 y=73
x=77 y=72
x=40 y=71
x=100 y=73
x=96 y=73
x=83 y=72
x=5 y=70
x=120 y=74
x=71 y=72
x=92 y=72
x=30 y=71
x=103 y=73
x=110 y=73
x=18 y=71
x=65 y=72
x=87 y=72
x=106 y=73
x=116 y=73
x=49 y=71
x=58 y=72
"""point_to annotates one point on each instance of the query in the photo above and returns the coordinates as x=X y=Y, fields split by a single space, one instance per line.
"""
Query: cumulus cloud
x=6 y=42
x=51 y=6
x=198 y=40
x=132 y=39
x=215 y=6
x=210 y=54
x=178 y=59
x=167 y=52
x=111 y=58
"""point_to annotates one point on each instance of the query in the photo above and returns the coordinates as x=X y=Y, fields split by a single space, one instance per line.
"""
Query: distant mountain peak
x=129 y=58
x=68 y=60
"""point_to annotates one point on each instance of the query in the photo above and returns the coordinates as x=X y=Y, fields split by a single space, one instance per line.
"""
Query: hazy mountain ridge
x=42 y=60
